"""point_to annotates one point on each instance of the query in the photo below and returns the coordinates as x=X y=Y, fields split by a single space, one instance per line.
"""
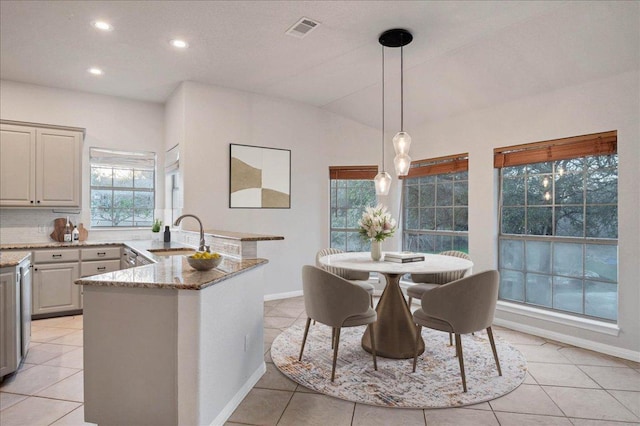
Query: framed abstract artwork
x=259 y=177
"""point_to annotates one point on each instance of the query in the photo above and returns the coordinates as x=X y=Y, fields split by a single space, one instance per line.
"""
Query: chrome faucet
x=202 y=246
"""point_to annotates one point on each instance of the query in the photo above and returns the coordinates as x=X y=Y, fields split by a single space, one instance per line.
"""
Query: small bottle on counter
x=167 y=234
x=75 y=234
x=67 y=232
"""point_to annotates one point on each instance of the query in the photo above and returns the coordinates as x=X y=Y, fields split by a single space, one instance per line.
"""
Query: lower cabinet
x=53 y=288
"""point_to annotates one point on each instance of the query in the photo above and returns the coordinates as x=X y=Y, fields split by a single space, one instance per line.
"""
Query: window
x=558 y=246
x=122 y=188
x=352 y=190
x=435 y=207
x=173 y=192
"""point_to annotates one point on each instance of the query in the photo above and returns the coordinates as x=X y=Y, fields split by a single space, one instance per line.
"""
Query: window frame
x=579 y=147
x=132 y=162
x=440 y=166
x=347 y=174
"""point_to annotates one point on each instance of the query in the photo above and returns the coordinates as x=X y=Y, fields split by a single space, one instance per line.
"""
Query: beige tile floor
x=565 y=386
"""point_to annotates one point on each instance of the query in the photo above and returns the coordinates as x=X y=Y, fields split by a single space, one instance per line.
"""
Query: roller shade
x=172 y=159
x=134 y=160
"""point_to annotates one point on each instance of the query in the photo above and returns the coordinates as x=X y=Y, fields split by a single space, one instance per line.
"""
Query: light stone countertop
x=55 y=244
x=12 y=258
x=172 y=272
x=169 y=272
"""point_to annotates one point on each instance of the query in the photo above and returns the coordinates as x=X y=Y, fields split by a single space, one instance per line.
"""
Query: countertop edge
x=13 y=258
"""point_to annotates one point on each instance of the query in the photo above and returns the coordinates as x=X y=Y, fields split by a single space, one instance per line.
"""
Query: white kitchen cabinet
x=40 y=166
x=10 y=317
x=99 y=260
x=54 y=272
x=15 y=315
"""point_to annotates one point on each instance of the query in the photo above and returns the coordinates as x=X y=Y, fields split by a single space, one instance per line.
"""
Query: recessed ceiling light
x=95 y=71
x=180 y=44
x=102 y=25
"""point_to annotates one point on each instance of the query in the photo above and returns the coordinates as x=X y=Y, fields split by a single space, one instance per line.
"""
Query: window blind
x=436 y=166
x=353 y=172
x=605 y=143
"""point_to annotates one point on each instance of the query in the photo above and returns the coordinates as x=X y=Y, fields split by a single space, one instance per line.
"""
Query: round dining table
x=395 y=331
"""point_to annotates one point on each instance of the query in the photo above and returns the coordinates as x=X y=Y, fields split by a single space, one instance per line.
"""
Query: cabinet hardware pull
x=101 y=268
x=31 y=201
x=38 y=201
x=101 y=253
x=56 y=255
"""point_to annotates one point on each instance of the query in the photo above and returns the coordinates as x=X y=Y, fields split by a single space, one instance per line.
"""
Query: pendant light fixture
x=383 y=179
x=401 y=141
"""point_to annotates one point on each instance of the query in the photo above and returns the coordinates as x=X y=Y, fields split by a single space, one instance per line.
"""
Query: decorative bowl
x=204 y=264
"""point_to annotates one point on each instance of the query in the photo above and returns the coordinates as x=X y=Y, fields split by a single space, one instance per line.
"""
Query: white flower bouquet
x=376 y=223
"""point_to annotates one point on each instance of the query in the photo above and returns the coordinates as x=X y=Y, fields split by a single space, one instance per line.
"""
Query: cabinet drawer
x=60 y=255
x=98 y=253
x=98 y=267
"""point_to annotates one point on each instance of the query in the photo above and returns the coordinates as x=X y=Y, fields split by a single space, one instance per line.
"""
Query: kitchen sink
x=178 y=251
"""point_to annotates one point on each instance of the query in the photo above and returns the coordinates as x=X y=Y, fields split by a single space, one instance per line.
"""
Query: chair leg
x=450 y=339
x=415 y=348
x=461 y=361
x=409 y=302
x=333 y=337
x=335 y=353
x=373 y=348
x=493 y=348
x=304 y=339
x=372 y=300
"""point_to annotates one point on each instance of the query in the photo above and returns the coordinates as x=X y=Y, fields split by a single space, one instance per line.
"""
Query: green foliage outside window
x=558 y=235
x=436 y=213
x=348 y=198
x=122 y=197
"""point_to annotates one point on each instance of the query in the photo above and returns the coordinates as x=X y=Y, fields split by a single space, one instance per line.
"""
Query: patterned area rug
x=435 y=384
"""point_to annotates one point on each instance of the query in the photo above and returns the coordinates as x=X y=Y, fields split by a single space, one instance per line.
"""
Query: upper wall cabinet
x=40 y=166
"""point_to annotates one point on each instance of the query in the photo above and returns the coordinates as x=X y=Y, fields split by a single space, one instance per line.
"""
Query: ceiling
x=465 y=55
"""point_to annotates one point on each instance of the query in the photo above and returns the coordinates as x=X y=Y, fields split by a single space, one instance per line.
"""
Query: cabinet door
x=53 y=288
x=17 y=165
x=25 y=299
x=58 y=167
x=9 y=349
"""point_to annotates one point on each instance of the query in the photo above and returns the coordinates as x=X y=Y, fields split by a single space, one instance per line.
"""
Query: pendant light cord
x=401 y=88
x=383 y=108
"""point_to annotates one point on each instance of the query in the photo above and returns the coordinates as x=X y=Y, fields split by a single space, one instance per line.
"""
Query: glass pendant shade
x=402 y=162
x=383 y=183
x=401 y=143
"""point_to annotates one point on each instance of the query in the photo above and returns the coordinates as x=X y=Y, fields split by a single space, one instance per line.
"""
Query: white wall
x=609 y=104
x=215 y=117
x=110 y=122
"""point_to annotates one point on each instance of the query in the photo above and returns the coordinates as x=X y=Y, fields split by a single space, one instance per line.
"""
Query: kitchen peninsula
x=165 y=344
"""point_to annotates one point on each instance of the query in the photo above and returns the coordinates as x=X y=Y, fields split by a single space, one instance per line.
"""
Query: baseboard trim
x=569 y=339
x=231 y=406
x=286 y=295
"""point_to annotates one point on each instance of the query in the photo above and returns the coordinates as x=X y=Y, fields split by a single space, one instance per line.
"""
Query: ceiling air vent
x=303 y=27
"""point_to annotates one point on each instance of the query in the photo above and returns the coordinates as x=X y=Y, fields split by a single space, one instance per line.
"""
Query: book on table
x=403 y=257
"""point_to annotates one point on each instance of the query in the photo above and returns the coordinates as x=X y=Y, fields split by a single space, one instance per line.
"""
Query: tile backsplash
x=34 y=226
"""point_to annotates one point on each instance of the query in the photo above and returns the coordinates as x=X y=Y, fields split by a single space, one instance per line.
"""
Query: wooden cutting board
x=84 y=233
x=58 y=229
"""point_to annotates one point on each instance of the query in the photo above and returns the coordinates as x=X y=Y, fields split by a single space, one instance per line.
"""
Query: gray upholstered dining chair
x=426 y=282
x=359 y=278
x=461 y=307
x=334 y=301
